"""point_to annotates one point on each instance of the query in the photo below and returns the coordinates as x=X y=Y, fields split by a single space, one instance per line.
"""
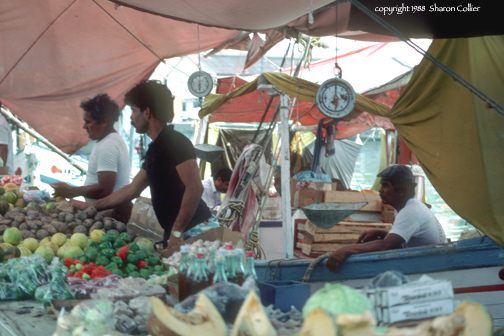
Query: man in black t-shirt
x=169 y=169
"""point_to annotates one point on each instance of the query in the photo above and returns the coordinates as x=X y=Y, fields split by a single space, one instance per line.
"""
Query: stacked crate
x=314 y=241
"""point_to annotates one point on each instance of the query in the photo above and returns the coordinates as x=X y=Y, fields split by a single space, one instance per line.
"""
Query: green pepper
x=126 y=237
x=132 y=259
x=111 y=266
x=119 y=243
x=109 y=237
x=106 y=245
x=83 y=258
x=142 y=255
x=109 y=253
x=92 y=243
x=145 y=273
x=133 y=247
x=134 y=274
x=153 y=261
x=158 y=268
x=131 y=268
x=117 y=272
x=118 y=260
x=102 y=260
x=91 y=253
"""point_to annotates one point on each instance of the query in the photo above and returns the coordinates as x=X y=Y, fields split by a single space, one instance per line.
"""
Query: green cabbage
x=337 y=299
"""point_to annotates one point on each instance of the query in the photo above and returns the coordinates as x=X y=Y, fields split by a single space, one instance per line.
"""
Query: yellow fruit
x=25 y=251
x=30 y=243
x=60 y=199
x=20 y=203
x=45 y=241
x=10 y=197
x=20 y=194
x=53 y=247
x=11 y=206
x=59 y=238
x=12 y=236
x=79 y=239
x=96 y=235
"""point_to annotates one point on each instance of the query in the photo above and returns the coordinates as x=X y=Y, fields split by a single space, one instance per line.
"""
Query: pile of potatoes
x=36 y=222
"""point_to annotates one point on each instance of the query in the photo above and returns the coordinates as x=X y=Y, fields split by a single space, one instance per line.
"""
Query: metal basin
x=207 y=152
x=326 y=215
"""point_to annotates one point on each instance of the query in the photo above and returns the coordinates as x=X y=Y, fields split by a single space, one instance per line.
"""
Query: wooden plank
x=347 y=238
x=347 y=227
x=374 y=200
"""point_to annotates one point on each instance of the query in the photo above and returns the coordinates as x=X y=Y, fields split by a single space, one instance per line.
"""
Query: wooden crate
x=315 y=241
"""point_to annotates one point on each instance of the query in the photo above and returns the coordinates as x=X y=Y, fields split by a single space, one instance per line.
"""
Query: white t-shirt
x=417 y=225
x=109 y=154
x=6 y=139
x=211 y=196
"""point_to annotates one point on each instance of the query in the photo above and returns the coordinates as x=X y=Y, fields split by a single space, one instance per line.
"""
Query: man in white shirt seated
x=214 y=186
x=414 y=224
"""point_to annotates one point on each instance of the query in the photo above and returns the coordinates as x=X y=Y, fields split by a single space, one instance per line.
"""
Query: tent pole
x=288 y=229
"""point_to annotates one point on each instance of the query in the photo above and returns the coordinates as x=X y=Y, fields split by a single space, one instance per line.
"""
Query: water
x=364 y=177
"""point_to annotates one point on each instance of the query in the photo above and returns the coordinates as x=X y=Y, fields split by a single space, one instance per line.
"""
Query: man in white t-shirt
x=216 y=185
x=6 y=151
x=414 y=224
x=109 y=166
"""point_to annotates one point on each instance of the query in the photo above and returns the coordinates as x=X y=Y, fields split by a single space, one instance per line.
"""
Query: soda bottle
x=239 y=270
x=200 y=278
x=211 y=263
x=249 y=265
x=220 y=268
x=231 y=266
x=190 y=275
x=182 y=274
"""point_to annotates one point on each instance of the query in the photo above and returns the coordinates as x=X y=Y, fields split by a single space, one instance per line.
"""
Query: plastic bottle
x=211 y=263
x=239 y=270
x=249 y=265
x=220 y=267
x=190 y=275
x=200 y=278
x=182 y=274
x=231 y=265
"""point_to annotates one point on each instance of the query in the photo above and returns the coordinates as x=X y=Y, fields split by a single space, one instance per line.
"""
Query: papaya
x=203 y=319
x=252 y=320
x=318 y=323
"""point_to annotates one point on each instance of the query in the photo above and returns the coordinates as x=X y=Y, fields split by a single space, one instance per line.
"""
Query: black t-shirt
x=165 y=153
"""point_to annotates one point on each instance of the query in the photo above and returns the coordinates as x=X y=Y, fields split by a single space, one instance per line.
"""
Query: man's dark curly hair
x=154 y=95
x=101 y=108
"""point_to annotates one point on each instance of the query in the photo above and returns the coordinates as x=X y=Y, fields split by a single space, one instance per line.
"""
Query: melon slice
x=252 y=319
x=318 y=323
x=203 y=319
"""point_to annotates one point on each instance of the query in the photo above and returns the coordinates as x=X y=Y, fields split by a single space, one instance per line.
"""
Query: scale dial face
x=335 y=98
x=200 y=83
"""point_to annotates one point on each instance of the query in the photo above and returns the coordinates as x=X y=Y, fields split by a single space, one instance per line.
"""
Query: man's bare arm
x=103 y=188
x=125 y=194
x=391 y=241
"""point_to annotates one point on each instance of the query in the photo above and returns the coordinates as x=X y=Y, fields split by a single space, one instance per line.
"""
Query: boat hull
x=474 y=267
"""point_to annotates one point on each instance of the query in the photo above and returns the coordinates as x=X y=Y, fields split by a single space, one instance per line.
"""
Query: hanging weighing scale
x=200 y=84
x=335 y=98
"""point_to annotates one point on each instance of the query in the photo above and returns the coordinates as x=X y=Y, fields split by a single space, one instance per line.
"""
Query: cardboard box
x=4 y=170
x=143 y=220
x=415 y=311
x=223 y=234
x=414 y=293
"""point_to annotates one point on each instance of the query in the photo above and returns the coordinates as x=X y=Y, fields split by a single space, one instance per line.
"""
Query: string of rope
x=231 y=211
x=313 y=265
x=199 y=55
x=254 y=246
x=456 y=77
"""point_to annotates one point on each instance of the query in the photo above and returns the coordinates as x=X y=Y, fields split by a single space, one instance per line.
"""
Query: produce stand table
x=25 y=318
